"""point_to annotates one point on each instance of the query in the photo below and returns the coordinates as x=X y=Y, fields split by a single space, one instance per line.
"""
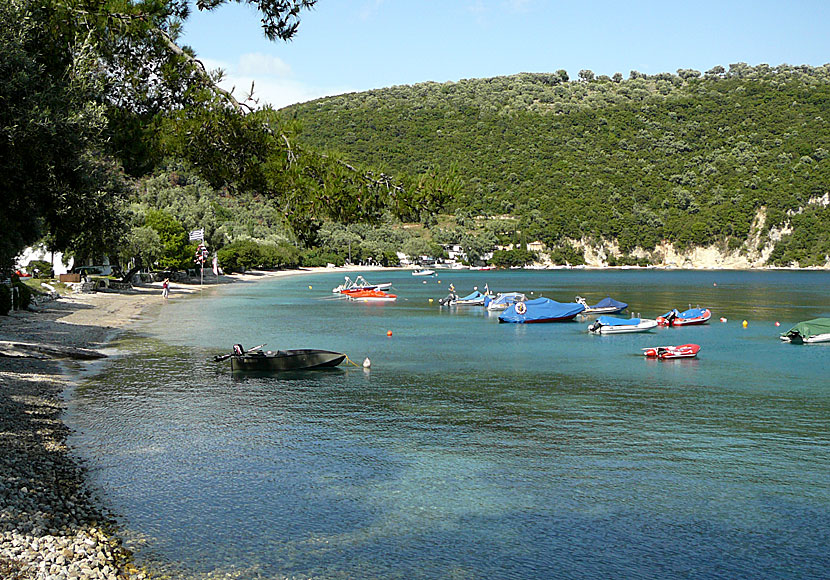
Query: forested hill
x=689 y=158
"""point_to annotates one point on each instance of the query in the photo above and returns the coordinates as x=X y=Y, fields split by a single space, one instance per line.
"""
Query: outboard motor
x=238 y=350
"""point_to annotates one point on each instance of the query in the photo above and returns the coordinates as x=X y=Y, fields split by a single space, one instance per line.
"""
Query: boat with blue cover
x=605 y=306
x=685 y=318
x=541 y=310
x=612 y=325
x=475 y=298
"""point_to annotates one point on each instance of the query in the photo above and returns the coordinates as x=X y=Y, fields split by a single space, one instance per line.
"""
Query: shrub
x=24 y=295
x=321 y=257
x=5 y=299
x=43 y=269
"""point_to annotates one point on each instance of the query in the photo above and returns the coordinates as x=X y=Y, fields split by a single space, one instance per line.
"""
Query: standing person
x=165 y=288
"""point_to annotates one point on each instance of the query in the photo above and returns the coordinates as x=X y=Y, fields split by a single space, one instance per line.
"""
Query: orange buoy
x=388 y=333
x=777 y=323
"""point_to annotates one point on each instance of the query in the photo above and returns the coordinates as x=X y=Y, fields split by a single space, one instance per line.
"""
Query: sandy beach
x=51 y=526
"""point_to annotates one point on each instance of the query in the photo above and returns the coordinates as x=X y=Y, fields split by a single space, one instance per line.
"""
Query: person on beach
x=165 y=288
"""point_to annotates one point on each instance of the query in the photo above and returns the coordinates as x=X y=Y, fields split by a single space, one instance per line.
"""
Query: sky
x=345 y=46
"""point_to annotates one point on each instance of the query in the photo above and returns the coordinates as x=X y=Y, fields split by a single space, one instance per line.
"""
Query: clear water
x=473 y=449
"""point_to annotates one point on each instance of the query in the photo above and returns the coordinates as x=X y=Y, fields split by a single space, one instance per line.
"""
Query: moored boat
x=503 y=300
x=686 y=318
x=475 y=298
x=808 y=332
x=612 y=325
x=605 y=306
x=423 y=272
x=541 y=310
x=359 y=283
x=371 y=296
x=256 y=359
x=670 y=352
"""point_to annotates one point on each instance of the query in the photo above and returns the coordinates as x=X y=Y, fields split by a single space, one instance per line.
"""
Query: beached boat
x=809 y=332
x=371 y=296
x=503 y=300
x=256 y=359
x=670 y=352
x=612 y=325
x=541 y=310
x=359 y=283
x=423 y=272
x=685 y=318
x=605 y=306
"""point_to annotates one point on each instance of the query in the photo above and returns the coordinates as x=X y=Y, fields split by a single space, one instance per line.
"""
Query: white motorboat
x=503 y=300
x=611 y=325
x=423 y=272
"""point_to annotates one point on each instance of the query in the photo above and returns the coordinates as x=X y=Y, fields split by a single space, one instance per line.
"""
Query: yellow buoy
x=430 y=300
x=309 y=287
x=744 y=323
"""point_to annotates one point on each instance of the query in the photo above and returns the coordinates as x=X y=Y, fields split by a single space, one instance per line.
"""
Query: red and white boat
x=359 y=283
x=669 y=352
x=685 y=318
x=371 y=296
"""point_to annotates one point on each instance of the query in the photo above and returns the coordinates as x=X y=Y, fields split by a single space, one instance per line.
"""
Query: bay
x=471 y=448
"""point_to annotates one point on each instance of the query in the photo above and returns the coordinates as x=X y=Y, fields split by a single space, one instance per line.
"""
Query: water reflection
x=471 y=449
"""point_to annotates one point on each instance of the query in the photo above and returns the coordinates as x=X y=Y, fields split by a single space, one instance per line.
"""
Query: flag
x=197 y=234
x=215 y=265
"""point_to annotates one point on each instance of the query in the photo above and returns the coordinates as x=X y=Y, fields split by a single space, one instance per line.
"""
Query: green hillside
x=687 y=158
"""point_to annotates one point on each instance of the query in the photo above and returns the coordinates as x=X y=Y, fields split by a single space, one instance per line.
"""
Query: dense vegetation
x=115 y=141
x=689 y=158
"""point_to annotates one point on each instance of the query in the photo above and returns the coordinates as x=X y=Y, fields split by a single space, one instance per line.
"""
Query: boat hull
x=672 y=352
x=679 y=320
x=809 y=340
x=287 y=360
x=643 y=326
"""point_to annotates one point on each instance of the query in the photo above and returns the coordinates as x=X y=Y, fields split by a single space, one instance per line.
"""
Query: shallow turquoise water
x=473 y=449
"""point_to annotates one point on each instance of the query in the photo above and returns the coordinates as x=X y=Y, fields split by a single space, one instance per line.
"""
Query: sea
x=470 y=449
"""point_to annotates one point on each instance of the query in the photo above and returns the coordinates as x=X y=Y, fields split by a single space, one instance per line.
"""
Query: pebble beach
x=52 y=527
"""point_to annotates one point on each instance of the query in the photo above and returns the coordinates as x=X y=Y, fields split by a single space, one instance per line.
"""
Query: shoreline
x=51 y=524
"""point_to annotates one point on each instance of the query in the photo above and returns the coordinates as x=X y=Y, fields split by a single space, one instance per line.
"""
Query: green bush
x=5 y=299
x=240 y=256
x=44 y=269
x=320 y=257
x=24 y=295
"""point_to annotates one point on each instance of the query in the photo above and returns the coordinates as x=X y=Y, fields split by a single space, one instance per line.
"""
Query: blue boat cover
x=475 y=294
x=541 y=310
x=606 y=302
x=692 y=313
x=611 y=321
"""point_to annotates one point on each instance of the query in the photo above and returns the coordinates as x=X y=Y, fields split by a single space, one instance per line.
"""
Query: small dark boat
x=300 y=359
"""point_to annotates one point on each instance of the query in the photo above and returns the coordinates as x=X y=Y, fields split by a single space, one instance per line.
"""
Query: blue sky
x=357 y=45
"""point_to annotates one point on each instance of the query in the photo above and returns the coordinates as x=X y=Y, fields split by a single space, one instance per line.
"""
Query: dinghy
x=256 y=359
x=605 y=306
x=611 y=325
x=670 y=352
x=685 y=318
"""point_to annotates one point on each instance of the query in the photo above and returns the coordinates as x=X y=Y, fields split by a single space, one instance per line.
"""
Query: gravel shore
x=51 y=525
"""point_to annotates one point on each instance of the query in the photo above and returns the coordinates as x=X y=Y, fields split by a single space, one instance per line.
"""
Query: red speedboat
x=686 y=318
x=667 y=352
x=372 y=296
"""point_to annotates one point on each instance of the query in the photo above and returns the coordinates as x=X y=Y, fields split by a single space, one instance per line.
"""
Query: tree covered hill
x=687 y=158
